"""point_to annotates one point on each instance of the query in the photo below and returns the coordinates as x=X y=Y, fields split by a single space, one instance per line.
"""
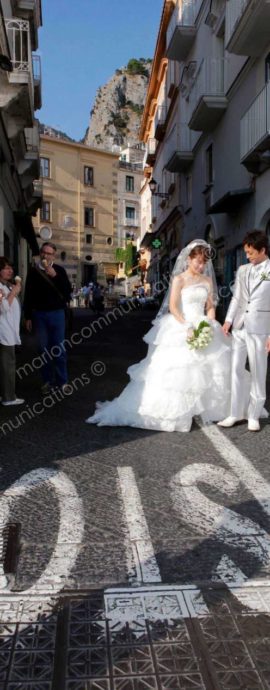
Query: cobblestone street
x=130 y=559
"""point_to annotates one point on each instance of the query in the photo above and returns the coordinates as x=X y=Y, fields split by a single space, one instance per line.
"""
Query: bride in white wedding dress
x=174 y=383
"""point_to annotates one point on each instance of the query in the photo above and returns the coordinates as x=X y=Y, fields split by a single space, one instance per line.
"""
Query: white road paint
x=205 y=515
x=210 y=518
x=139 y=536
x=70 y=531
x=240 y=465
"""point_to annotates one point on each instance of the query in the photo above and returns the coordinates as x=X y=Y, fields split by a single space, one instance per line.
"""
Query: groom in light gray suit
x=249 y=316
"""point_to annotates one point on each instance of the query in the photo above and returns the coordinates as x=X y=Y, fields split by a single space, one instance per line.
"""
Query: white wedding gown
x=173 y=383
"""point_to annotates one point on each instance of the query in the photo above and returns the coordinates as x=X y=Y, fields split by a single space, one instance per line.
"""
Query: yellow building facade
x=79 y=209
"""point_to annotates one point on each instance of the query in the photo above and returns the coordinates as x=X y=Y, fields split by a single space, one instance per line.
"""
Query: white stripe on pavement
x=240 y=465
x=137 y=527
x=70 y=529
x=260 y=489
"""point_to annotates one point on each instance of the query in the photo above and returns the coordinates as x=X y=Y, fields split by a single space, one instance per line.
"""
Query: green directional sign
x=156 y=244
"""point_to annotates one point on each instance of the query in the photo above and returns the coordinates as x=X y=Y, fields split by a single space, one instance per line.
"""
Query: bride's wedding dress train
x=173 y=383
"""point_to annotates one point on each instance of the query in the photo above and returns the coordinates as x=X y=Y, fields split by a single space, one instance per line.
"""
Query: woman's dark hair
x=256 y=239
x=4 y=262
x=200 y=251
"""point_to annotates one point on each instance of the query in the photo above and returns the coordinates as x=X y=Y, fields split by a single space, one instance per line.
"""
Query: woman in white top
x=9 y=332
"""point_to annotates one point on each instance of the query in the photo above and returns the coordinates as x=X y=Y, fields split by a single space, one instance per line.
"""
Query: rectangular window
x=129 y=183
x=209 y=164
x=45 y=211
x=88 y=175
x=89 y=216
x=44 y=167
x=88 y=239
x=130 y=212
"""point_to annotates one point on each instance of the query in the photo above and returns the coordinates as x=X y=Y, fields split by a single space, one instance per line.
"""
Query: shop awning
x=24 y=225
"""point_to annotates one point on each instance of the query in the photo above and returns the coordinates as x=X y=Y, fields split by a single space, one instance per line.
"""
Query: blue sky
x=81 y=44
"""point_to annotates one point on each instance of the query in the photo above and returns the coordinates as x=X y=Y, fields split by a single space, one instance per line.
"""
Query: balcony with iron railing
x=27 y=8
x=131 y=222
x=255 y=133
x=159 y=123
x=126 y=165
x=179 y=148
x=151 y=148
x=171 y=79
x=207 y=95
x=247 y=26
x=18 y=33
x=182 y=29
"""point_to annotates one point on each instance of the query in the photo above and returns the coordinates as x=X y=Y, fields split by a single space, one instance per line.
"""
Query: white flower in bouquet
x=201 y=337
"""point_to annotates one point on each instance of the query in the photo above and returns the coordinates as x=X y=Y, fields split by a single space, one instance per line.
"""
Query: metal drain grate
x=11 y=547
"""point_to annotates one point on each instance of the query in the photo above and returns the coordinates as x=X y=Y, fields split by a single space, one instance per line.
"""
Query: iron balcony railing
x=209 y=80
x=234 y=12
x=181 y=138
x=29 y=5
x=18 y=33
x=160 y=116
x=131 y=222
x=184 y=14
x=255 y=123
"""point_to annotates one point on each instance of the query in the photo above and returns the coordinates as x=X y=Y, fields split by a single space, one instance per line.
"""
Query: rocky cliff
x=116 y=114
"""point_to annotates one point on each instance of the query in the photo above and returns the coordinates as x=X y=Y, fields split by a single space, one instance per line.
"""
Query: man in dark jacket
x=47 y=292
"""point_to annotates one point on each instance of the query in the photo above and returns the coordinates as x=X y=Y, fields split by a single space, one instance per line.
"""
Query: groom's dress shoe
x=253 y=425
x=229 y=421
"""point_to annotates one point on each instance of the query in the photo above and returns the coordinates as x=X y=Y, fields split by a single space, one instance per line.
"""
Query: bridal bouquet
x=201 y=336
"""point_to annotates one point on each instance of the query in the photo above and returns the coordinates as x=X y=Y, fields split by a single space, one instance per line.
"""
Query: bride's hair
x=200 y=251
x=194 y=248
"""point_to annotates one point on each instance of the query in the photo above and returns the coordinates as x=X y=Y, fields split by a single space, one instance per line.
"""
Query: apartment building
x=20 y=96
x=206 y=126
x=130 y=177
x=79 y=211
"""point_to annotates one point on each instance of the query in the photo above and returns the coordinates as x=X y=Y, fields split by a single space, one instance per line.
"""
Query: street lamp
x=153 y=186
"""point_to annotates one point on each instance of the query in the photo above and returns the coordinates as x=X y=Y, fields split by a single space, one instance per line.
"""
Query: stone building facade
x=130 y=178
x=79 y=209
x=206 y=127
x=20 y=96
